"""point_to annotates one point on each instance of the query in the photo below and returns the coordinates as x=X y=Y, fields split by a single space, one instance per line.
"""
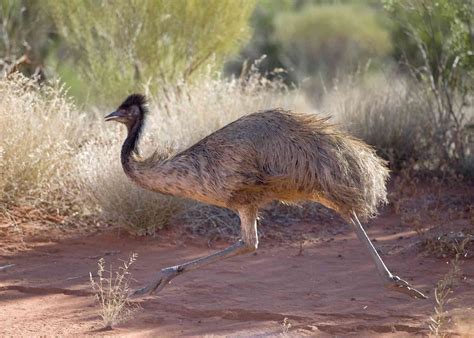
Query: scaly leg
x=392 y=282
x=248 y=243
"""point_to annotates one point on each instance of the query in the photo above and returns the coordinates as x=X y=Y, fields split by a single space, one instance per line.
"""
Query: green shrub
x=24 y=32
x=262 y=41
x=120 y=46
x=328 y=40
x=439 y=53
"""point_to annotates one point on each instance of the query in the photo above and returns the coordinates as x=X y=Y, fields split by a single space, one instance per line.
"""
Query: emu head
x=132 y=110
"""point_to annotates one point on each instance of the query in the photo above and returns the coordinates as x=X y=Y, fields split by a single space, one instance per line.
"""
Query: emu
x=265 y=156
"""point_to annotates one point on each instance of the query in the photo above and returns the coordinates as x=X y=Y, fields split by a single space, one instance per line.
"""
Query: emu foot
x=163 y=279
x=397 y=284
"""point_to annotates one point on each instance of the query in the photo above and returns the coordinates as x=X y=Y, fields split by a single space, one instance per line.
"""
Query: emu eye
x=134 y=111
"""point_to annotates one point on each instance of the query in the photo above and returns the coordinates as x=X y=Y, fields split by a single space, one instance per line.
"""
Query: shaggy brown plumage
x=272 y=155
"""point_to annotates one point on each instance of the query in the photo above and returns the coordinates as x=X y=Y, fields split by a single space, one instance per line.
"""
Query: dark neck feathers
x=130 y=146
x=158 y=172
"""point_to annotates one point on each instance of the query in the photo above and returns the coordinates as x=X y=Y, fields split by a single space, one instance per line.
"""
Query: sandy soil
x=318 y=276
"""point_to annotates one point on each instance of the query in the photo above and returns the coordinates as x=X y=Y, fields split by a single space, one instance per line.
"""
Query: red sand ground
x=319 y=277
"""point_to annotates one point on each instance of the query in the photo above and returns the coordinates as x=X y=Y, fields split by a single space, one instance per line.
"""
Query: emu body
x=262 y=157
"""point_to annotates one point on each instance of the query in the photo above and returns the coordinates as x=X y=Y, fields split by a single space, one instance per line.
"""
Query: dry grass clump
x=107 y=190
x=386 y=114
x=112 y=292
x=399 y=118
x=40 y=128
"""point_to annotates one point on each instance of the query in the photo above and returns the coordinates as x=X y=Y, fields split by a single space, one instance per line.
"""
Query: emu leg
x=248 y=243
x=167 y=274
x=392 y=282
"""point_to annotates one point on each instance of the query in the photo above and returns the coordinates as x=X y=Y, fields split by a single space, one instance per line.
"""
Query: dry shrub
x=112 y=291
x=40 y=129
x=398 y=117
x=387 y=114
x=46 y=162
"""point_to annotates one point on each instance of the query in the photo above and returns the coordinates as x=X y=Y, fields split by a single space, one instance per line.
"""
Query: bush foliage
x=326 y=39
x=120 y=46
x=24 y=36
x=443 y=63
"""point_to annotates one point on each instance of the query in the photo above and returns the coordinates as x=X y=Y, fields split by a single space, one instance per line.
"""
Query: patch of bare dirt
x=315 y=274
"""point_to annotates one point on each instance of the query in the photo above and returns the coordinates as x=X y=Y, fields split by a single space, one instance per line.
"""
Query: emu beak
x=112 y=116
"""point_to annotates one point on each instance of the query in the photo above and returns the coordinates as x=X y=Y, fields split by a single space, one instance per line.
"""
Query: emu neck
x=158 y=173
x=151 y=173
x=130 y=147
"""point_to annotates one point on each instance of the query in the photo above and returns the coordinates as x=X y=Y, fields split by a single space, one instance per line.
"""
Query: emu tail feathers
x=357 y=177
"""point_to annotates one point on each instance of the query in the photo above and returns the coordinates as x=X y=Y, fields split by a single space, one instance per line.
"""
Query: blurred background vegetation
x=398 y=74
x=318 y=41
x=101 y=49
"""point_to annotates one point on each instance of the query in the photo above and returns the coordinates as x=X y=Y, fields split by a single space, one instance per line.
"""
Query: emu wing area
x=278 y=155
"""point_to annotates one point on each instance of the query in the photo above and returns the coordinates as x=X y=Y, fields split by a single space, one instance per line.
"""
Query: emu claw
x=397 y=284
x=163 y=279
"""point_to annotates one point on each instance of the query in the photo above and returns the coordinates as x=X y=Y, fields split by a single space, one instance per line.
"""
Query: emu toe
x=164 y=277
x=397 y=284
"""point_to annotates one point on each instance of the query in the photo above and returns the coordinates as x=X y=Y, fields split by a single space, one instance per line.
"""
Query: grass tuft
x=112 y=292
